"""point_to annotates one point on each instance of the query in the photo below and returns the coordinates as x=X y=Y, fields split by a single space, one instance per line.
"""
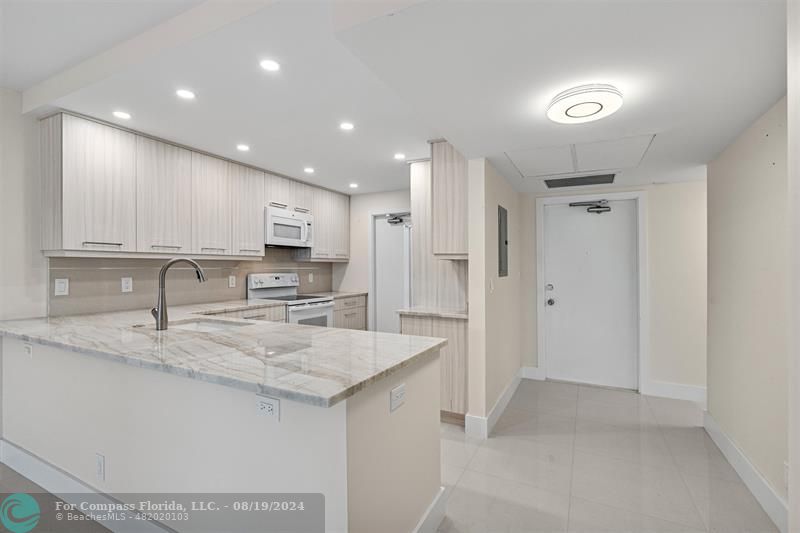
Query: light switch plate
x=397 y=397
x=231 y=282
x=61 y=287
x=126 y=284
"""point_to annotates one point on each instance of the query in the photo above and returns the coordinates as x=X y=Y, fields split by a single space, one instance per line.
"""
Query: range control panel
x=271 y=281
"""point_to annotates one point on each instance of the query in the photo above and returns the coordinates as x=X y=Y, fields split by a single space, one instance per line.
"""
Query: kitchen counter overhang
x=307 y=364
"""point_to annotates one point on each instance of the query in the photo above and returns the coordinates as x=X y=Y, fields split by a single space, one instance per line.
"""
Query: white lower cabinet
x=211 y=205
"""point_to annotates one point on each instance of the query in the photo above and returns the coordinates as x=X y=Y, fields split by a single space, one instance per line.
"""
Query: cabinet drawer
x=355 y=318
x=350 y=302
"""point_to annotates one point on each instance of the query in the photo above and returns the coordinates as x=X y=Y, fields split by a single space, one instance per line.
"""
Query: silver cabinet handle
x=100 y=243
x=249 y=250
x=302 y=209
x=350 y=314
x=167 y=246
x=279 y=204
x=210 y=248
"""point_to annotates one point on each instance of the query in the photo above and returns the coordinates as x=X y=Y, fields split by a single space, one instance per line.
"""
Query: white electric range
x=306 y=309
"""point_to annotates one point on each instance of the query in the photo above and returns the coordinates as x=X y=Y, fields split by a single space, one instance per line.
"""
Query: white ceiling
x=693 y=73
x=39 y=38
x=290 y=119
x=480 y=74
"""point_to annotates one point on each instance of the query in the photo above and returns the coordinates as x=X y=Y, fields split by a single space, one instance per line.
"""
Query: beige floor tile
x=644 y=445
x=457 y=449
x=625 y=415
x=728 y=506
x=542 y=396
x=653 y=491
x=542 y=465
x=675 y=413
x=590 y=517
x=482 y=502
x=588 y=393
x=544 y=427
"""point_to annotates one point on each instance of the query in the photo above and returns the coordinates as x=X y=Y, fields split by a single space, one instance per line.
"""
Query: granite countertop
x=308 y=364
x=435 y=312
x=339 y=294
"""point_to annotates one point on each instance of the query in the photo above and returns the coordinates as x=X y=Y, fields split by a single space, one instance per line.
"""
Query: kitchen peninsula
x=180 y=410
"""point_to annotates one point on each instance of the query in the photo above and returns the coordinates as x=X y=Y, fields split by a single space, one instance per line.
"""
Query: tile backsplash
x=95 y=284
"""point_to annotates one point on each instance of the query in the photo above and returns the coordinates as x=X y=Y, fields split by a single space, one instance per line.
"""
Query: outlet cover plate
x=231 y=282
x=397 y=397
x=126 y=284
x=61 y=287
x=269 y=407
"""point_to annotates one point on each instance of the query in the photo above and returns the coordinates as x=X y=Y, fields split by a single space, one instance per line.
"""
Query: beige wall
x=354 y=275
x=748 y=300
x=793 y=137
x=676 y=235
x=23 y=269
x=94 y=284
x=494 y=320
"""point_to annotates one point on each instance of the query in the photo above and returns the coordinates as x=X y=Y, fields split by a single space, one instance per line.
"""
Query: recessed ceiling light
x=399 y=157
x=308 y=170
x=186 y=94
x=346 y=126
x=585 y=103
x=270 y=65
x=122 y=114
x=242 y=147
x=354 y=185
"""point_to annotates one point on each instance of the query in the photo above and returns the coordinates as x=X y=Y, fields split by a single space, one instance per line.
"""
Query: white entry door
x=392 y=263
x=591 y=294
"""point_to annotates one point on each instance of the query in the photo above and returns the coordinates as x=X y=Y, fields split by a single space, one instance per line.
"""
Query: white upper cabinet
x=98 y=186
x=211 y=205
x=163 y=198
x=303 y=197
x=341 y=225
x=449 y=202
x=247 y=196
x=280 y=192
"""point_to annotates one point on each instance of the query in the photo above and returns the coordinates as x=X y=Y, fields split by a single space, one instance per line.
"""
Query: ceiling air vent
x=598 y=179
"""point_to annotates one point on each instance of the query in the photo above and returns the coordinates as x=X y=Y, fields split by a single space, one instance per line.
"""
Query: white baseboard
x=532 y=372
x=434 y=514
x=677 y=391
x=66 y=487
x=772 y=503
x=480 y=427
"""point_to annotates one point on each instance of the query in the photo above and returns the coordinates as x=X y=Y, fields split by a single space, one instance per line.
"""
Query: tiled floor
x=583 y=459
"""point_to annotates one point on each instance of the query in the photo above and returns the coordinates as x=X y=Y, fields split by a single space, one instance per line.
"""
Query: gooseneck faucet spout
x=160 y=311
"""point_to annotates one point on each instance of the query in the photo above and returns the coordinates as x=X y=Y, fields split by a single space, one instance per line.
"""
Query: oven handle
x=305 y=307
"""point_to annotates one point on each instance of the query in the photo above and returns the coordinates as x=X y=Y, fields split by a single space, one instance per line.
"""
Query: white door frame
x=372 y=310
x=641 y=230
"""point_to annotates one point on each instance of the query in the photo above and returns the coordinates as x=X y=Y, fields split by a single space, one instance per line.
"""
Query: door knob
x=551 y=301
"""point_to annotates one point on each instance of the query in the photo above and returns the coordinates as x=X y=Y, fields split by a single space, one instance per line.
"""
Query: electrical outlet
x=397 y=397
x=311 y=277
x=100 y=466
x=269 y=407
x=126 y=284
x=28 y=349
x=231 y=282
x=62 y=287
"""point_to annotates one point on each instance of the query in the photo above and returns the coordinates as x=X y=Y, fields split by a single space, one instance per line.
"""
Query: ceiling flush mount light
x=186 y=94
x=270 y=65
x=354 y=185
x=399 y=157
x=584 y=104
x=308 y=170
x=346 y=126
x=242 y=147
x=122 y=114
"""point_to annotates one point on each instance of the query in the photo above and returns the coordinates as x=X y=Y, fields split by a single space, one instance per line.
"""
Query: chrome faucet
x=160 y=311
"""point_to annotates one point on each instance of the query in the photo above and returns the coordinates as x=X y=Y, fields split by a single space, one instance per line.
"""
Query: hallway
x=573 y=458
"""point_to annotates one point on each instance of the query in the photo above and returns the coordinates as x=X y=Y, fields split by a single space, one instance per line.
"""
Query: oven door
x=313 y=314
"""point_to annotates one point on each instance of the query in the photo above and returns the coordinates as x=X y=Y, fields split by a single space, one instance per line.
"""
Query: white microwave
x=288 y=228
